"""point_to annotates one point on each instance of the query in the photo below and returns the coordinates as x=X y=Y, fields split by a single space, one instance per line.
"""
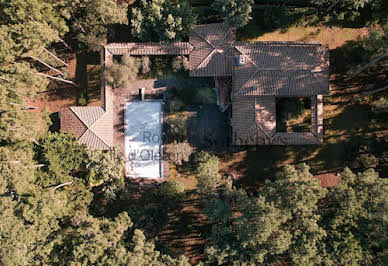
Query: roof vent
x=241 y=60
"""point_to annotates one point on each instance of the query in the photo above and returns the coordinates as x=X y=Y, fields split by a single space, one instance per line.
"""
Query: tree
x=293 y=220
x=61 y=155
x=236 y=13
x=206 y=167
x=122 y=74
x=106 y=169
x=280 y=223
x=93 y=20
x=16 y=122
x=355 y=219
x=145 y=64
x=335 y=10
x=180 y=63
x=162 y=20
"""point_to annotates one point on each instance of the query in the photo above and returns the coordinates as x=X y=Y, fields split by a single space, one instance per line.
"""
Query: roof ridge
x=89 y=131
x=88 y=119
x=279 y=43
x=202 y=37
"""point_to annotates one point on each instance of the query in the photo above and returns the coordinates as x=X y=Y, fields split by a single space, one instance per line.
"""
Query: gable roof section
x=70 y=122
x=88 y=114
x=281 y=69
x=93 y=141
x=213 y=53
x=96 y=126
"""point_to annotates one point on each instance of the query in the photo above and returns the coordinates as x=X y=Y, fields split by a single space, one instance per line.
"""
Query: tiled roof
x=281 y=69
x=328 y=179
x=95 y=125
x=71 y=123
x=93 y=141
x=254 y=123
x=88 y=114
x=213 y=53
x=150 y=48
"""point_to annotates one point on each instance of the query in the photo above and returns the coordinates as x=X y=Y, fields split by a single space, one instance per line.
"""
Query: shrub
x=180 y=63
x=172 y=190
x=367 y=160
x=177 y=124
x=178 y=153
x=290 y=108
x=145 y=65
x=206 y=166
x=380 y=105
x=106 y=169
x=124 y=73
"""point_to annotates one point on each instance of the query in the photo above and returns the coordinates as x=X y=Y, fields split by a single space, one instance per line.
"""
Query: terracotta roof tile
x=282 y=69
x=93 y=141
x=88 y=114
x=151 y=48
x=213 y=53
x=71 y=123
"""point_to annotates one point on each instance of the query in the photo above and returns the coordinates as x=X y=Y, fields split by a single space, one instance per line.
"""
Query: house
x=250 y=77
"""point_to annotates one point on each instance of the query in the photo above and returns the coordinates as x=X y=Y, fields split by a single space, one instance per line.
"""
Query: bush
x=290 y=108
x=206 y=167
x=172 y=190
x=380 y=105
x=145 y=65
x=180 y=63
x=177 y=124
x=367 y=160
x=122 y=74
x=106 y=169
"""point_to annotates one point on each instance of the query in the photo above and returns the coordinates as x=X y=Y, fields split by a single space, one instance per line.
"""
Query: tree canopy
x=236 y=13
x=94 y=21
x=293 y=219
x=162 y=20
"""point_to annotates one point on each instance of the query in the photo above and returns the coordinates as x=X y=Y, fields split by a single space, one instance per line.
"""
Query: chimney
x=141 y=94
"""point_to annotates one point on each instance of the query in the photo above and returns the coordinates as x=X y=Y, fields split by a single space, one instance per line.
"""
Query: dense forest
x=62 y=204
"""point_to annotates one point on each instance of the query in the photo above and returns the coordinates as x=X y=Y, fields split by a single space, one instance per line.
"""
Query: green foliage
x=172 y=191
x=16 y=122
x=206 y=167
x=28 y=25
x=145 y=64
x=275 y=17
x=180 y=63
x=380 y=106
x=61 y=155
x=289 y=108
x=281 y=222
x=93 y=20
x=356 y=220
x=367 y=160
x=177 y=126
x=105 y=168
x=162 y=20
x=122 y=74
x=342 y=10
x=236 y=13
x=293 y=219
